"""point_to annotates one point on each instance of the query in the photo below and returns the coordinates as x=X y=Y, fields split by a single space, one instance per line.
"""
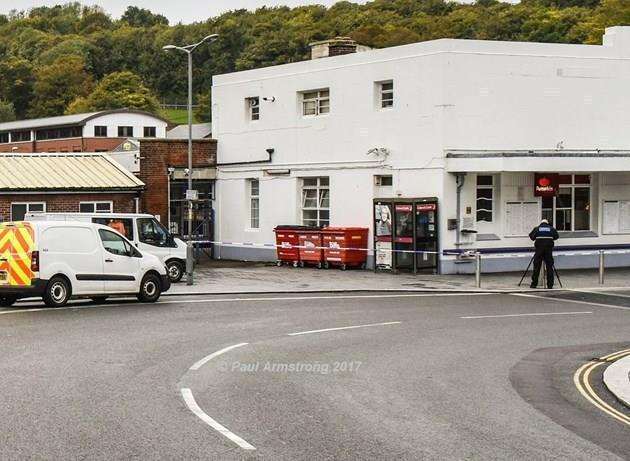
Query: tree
x=58 y=84
x=117 y=91
x=16 y=84
x=7 y=112
x=203 y=112
x=141 y=17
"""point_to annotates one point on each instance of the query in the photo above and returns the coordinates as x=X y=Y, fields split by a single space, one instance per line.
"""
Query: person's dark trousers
x=544 y=252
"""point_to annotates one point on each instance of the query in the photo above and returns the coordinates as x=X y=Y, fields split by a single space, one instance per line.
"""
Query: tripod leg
x=544 y=276
x=557 y=276
x=526 y=271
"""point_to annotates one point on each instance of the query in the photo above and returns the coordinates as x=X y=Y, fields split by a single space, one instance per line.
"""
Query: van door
x=154 y=238
x=121 y=270
x=74 y=251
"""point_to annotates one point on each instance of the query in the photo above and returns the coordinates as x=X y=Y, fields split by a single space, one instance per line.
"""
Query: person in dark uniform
x=544 y=236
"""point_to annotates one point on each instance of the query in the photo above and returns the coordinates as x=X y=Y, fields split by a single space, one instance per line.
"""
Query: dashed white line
x=206 y=359
x=192 y=406
x=342 y=328
x=533 y=314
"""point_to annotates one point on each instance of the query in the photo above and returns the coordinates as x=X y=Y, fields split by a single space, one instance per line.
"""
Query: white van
x=146 y=233
x=62 y=260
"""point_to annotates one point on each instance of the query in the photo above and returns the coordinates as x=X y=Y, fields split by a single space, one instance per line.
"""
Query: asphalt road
x=429 y=377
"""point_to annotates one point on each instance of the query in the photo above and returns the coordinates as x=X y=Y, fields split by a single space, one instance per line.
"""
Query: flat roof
x=64 y=172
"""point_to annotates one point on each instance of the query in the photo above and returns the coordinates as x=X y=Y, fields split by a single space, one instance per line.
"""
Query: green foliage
x=7 y=112
x=118 y=90
x=203 y=112
x=177 y=116
x=51 y=56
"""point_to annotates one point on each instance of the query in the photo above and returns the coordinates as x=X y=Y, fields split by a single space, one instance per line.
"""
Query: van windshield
x=151 y=232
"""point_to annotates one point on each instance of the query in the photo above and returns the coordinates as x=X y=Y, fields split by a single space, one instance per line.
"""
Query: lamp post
x=189 y=49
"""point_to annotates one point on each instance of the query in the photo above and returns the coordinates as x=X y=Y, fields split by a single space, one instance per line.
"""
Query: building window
x=96 y=207
x=485 y=198
x=20 y=136
x=150 y=132
x=100 y=131
x=254 y=203
x=125 y=132
x=59 y=133
x=316 y=102
x=570 y=210
x=387 y=94
x=384 y=180
x=4 y=138
x=19 y=210
x=253 y=107
x=315 y=201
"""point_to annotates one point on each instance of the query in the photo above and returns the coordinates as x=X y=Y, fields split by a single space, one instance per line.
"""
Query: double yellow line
x=581 y=380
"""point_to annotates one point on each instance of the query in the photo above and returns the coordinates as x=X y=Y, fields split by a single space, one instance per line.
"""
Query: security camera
x=271 y=150
x=171 y=170
x=271 y=99
x=186 y=171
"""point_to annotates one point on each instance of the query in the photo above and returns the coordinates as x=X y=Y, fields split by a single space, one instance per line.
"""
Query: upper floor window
x=485 y=198
x=386 y=94
x=4 y=138
x=125 y=132
x=100 y=131
x=316 y=102
x=20 y=136
x=150 y=132
x=59 y=133
x=253 y=108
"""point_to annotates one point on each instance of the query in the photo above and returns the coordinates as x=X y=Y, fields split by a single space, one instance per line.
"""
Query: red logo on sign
x=544 y=182
x=546 y=185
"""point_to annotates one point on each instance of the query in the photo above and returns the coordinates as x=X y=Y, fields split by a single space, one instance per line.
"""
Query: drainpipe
x=137 y=200
x=460 y=178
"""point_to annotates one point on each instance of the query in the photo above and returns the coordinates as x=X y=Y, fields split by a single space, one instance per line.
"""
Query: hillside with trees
x=70 y=58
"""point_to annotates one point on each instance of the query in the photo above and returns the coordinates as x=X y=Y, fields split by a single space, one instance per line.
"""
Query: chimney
x=335 y=47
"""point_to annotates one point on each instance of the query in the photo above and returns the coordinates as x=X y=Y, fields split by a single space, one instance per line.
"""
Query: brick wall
x=67 y=203
x=160 y=154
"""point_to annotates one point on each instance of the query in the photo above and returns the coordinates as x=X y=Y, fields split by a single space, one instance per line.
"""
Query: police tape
x=370 y=251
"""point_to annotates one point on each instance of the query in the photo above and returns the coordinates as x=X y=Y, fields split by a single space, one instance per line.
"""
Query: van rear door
x=17 y=243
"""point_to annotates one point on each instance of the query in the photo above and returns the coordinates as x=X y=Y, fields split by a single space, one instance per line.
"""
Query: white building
x=316 y=142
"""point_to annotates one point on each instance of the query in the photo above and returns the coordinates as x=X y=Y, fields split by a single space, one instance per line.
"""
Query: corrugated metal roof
x=200 y=131
x=45 y=122
x=55 y=172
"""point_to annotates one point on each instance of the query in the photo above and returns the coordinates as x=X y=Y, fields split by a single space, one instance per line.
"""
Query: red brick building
x=92 y=132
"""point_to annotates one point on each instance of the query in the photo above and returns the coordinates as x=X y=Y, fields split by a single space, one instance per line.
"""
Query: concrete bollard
x=478 y=270
x=602 y=260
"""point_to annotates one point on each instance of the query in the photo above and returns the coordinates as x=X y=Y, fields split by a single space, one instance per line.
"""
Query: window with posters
x=383 y=230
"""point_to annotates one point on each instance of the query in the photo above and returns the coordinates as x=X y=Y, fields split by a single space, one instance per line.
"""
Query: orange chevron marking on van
x=16 y=249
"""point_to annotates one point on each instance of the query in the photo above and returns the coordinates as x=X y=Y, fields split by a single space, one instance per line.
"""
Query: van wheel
x=7 y=301
x=175 y=271
x=99 y=299
x=150 y=289
x=57 y=292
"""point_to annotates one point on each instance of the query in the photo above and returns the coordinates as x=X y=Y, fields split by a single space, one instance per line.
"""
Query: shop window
x=254 y=203
x=316 y=102
x=485 y=198
x=100 y=131
x=570 y=210
x=253 y=108
x=316 y=201
x=150 y=132
x=19 y=210
x=125 y=132
x=386 y=94
x=96 y=207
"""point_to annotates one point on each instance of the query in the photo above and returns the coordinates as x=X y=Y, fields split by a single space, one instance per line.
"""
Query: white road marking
x=608 y=306
x=206 y=359
x=192 y=406
x=523 y=315
x=342 y=328
x=593 y=292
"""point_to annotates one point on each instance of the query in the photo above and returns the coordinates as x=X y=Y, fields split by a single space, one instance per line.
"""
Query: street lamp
x=189 y=49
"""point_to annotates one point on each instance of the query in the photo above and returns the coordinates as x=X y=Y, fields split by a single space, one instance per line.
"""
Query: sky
x=185 y=11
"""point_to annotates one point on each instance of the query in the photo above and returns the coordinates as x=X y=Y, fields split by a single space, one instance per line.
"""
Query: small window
x=384 y=180
x=4 y=138
x=151 y=232
x=114 y=243
x=123 y=226
x=19 y=210
x=316 y=102
x=150 y=132
x=254 y=203
x=20 y=136
x=125 y=132
x=253 y=106
x=485 y=198
x=96 y=207
x=100 y=131
x=387 y=94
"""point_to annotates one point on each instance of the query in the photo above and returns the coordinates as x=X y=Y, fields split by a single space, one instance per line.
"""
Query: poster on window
x=383 y=230
x=383 y=218
x=384 y=255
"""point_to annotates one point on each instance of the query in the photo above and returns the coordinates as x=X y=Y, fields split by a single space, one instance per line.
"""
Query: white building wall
x=137 y=121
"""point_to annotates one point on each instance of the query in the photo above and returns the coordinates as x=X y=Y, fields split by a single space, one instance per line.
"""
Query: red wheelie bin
x=287 y=244
x=311 y=251
x=339 y=247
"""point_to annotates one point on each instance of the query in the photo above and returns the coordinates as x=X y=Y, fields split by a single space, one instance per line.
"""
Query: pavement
x=436 y=376
x=215 y=277
x=617 y=379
